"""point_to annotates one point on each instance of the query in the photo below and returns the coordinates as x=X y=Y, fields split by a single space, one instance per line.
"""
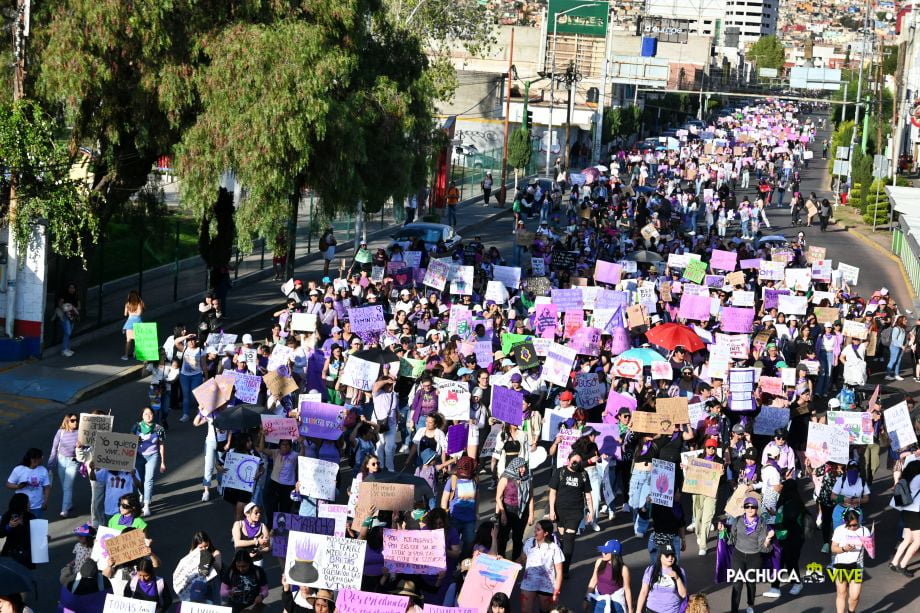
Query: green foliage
x=519 y=149
x=44 y=191
x=613 y=124
x=854 y=198
x=890 y=63
x=767 y=52
x=216 y=231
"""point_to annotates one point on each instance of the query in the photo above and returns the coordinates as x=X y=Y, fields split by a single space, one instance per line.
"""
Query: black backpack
x=902 y=494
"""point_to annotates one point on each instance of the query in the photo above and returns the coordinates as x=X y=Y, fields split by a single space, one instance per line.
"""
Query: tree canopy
x=767 y=52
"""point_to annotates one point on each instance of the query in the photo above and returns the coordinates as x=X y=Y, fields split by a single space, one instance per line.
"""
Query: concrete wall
x=527 y=45
x=30 y=287
x=480 y=94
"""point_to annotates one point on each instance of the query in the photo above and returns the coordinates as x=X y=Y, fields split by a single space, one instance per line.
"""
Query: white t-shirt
x=117 y=484
x=857 y=490
x=385 y=404
x=844 y=536
x=37 y=478
x=540 y=569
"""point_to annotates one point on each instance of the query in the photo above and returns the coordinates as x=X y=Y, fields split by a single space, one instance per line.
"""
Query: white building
x=752 y=18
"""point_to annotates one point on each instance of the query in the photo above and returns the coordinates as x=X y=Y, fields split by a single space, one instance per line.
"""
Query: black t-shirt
x=571 y=488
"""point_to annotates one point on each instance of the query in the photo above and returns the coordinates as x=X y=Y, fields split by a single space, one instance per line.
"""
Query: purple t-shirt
x=663 y=596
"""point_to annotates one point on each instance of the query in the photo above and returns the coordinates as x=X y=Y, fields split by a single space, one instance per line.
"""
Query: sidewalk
x=96 y=365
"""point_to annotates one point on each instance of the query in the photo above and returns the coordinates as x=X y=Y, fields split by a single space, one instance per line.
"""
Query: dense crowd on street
x=651 y=351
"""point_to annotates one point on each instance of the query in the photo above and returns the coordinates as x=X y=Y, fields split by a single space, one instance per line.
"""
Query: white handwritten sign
x=317 y=477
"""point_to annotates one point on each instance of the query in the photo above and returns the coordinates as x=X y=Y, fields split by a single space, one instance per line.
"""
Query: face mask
x=418 y=514
x=576 y=466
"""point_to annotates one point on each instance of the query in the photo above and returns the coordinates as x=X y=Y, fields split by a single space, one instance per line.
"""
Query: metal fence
x=468 y=171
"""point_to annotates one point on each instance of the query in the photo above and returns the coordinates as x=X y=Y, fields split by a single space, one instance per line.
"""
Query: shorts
x=911 y=519
x=850 y=566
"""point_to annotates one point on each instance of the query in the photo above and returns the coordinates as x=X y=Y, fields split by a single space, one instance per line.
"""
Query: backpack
x=902 y=494
x=885 y=336
x=847 y=398
x=323 y=244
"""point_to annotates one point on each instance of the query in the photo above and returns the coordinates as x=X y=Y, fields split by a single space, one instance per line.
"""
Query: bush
x=855 y=197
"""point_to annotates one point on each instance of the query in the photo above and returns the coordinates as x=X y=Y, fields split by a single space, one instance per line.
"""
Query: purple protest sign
x=321 y=420
x=723 y=260
x=615 y=402
x=771 y=297
x=737 y=319
x=694 y=307
x=507 y=405
x=608 y=439
x=457 y=437
x=608 y=272
x=568 y=299
x=716 y=281
x=610 y=299
x=367 y=319
x=586 y=341
x=284 y=523
x=752 y=263
x=545 y=320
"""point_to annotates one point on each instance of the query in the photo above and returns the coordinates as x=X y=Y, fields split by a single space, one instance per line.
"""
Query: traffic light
x=528 y=120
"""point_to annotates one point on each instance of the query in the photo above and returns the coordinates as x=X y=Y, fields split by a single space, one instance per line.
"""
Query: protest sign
x=280 y=356
x=702 y=477
x=414 y=552
x=510 y=276
x=240 y=471
x=737 y=319
x=566 y=438
x=90 y=424
x=461 y=280
x=610 y=300
x=486 y=577
x=607 y=272
x=146 y=343
x=629 y=368
x=278 y=428
x=38 y=540
x=384 y=497
x=849 y=273
x=771 y=385
x=857 y=424
x=453 y=399
x=662 y=370
x=651 y=422
x=413 y=259
x=553 y=420
x=771 y=271
x=694 y=307
x=695 y=271
x=537 y=267
x=748 y=264
x=356 y=601
x=367 y=319
x=571 y=322
x=587 y=341
x=899 y=426
x=615 y=402
x=525 y=355
x=821 y=270
x=127 y=547
x=114 y=451
x=436 y=274
x=279 y=384
x=743 y=298
x=197 y=607
x=723 y=260
x=741 y=389
x=510 y=340
x=359 y=373
x=507 y=405
x=734 y=279
x=460 y=321
x=538 y=286
x=798 y=278
x=317 y=477
x=827 y=443
x=568 y=300
x=855 y=329
x=673 y=409
x=714 y=281
x=246 y=387
x=212 y=395
x=457 y=438
x=496 y=292
x=251 y=357
x=338 y=513
x=321 y=561
x=735 y=505
x=321 y=420
x=769 y=419
x=432 y=608
x=589 y=390
x=792 y=305
x=303 y=322
x=284 y=523
x=558 y=365
x=545 y=320
x=663 y=477
x=826 y=314
x=123 y=604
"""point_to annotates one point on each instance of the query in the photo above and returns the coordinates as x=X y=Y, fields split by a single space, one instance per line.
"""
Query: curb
x=137 y=371
x=868 y=241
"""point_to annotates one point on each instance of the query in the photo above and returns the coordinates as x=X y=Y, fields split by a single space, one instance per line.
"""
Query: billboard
x=641 y=71
x=579 y=17
x=664 y=29
x=801 y=77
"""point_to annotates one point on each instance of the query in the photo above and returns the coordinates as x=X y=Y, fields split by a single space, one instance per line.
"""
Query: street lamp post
x=552 y=78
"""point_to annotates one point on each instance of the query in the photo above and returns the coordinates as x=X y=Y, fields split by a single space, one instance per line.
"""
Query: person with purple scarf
x=828 y=350
x=129 y=514
x=850 y=491
x=753 y=537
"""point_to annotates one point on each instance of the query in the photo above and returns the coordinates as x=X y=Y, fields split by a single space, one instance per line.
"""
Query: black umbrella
x=422 y=489
x=644 y=257
x=240 y=417
x=377 y=356
x=15 y=578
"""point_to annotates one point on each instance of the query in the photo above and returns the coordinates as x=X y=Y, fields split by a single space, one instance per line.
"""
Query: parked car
x=431 y=233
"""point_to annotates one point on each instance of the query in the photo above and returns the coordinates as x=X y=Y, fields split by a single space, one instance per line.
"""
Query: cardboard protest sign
x=702 y=477
x=675 y=409
x=486 y=577
x=278 y=428
x=735 y=505
x=827 y=443
x=279 y=385
x=284 y=523
x=735 y=279
x=507 y=405
x=899 y=426
x=114 y=451
x=356 y=601
x=855 y=329
x=414 y=552
x=321 y=561
x=240 y=471
x=146 y=343
x=857 y=424
x=127 y=547
x=651 y=422
x=769 y=419
x=123 y=604
x=317 y=477
x=453 y=399
x=637 y=318
x=826 y=314
x=663 y=480
x=359 y=373
x=383 y=496
x=213 y=394
x=90 y=424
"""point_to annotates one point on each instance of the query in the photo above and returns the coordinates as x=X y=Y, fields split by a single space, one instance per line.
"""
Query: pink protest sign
x=608 y=272
x=737 y=319
x=587 y=341
x=545 y=320
x=414 y=551
x=694 y=307
x=356 y=601
x=279 y=428
x=751 y=263
x=573 y=321
x=615 y=402
x=486 y=577
x=723 y=260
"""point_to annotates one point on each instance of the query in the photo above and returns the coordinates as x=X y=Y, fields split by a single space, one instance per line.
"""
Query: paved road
x=178 y=511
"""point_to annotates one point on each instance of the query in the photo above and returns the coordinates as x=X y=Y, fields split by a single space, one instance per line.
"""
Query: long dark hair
x=19 y=503
x=483 y=534
x=616 y=567
x=202 y=537
x=134 y=503
x=34 y=453
x=656 y=571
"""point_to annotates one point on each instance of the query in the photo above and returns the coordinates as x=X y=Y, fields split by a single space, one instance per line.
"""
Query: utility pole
x=862 y=61
x=501 y=192
x=20 y=31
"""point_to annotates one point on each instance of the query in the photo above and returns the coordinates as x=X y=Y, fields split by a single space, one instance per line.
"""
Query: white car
x=431 y=233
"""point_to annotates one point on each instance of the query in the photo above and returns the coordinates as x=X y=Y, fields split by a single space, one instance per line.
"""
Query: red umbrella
x=670 y=336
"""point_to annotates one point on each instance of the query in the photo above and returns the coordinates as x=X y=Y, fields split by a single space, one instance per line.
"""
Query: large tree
x=767 y=52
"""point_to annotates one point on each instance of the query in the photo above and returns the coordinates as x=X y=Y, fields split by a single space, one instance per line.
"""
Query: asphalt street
x=178 y=511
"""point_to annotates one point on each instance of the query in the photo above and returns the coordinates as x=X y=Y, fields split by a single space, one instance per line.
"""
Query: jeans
x=825 y=374
x=188 y=383
x=451 y=215
x=594 y=476
x=210 y=456
x=640 y=485
x=653 y=548
x=66 y=330
x=467 y=530
x=67 y=472
x=894 y=362
x=544 y=210
x=386 y=449
x=148 y=468
x=745 y=227
x=518 y=255
x=97 y=497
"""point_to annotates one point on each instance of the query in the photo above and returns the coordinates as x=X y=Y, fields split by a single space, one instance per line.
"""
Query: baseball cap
x=711 y=443
x=566 y=395
x=738 y=429
x=611 y=546
x=298 y=282
x=516 y=377
x=336 y=329
x=466 y=371
x=772 y=452
x=507 y=362
x=666 y=550
x=751 y=500
x=833 y=403
x=247 y=339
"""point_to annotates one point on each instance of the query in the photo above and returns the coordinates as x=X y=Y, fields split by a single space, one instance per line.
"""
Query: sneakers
x=691 y=528
x=889 y=378
x=206 y=495
x=146 y=511
x=66 y=353
x=796 y=589
x=626 y=508
x=124 y=358
x=595 y=527
x=602 y=509
x=184 y=418
x=749 y=610
x=898 y=378
x=404 y=449
x=772 y=593
x=702 y=551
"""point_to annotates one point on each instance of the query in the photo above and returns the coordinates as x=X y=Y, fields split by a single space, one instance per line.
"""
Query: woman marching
x=664 y=584
x=609 y=584
x=63 y=455
x=134 y=308
x=847 y=545
x=153 y=450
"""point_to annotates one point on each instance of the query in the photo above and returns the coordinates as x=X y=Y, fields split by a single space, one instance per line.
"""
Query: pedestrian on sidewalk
x=824 y=214
x=411 y=207
x=67 y=313
x=453 y=198
x=327 y=245
x=63 y=456
x=279 y=255
x=486 y=185
x=134 y=308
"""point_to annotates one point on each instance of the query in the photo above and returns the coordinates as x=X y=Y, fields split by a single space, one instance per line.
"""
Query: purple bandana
x=750 y=525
